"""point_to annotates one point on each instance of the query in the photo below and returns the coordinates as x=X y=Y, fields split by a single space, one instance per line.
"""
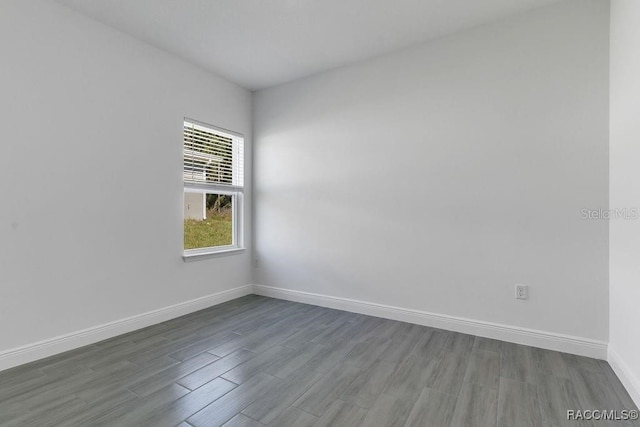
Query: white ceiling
x=262 y=43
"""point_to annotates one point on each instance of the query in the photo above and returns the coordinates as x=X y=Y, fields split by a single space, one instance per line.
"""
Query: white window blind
x=212 y=157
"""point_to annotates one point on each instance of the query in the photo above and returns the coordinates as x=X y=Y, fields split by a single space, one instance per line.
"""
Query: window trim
x=237 y=206
x=212 y=254
x=213 y=128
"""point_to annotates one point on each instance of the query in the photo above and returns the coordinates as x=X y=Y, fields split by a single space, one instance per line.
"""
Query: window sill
x=198 y=254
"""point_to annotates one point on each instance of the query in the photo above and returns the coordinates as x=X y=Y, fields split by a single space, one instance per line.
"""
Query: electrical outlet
x=522 y=291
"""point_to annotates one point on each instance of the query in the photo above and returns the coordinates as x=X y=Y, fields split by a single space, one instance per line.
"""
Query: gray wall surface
x=86 y=110
x=438 y=177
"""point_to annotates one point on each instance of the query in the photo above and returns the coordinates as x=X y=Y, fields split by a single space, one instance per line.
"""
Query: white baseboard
x=628 y=379
x=49 y=347
x=549 y=340
x=565 y=343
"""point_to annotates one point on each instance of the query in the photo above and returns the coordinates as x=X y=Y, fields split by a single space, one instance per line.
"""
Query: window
x=213 y=189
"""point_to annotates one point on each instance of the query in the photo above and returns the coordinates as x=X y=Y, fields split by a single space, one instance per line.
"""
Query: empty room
x=301 y=213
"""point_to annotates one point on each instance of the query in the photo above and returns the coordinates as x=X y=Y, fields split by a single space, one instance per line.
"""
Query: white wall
x=438 y=177
x=624 y=235
x=87 y=110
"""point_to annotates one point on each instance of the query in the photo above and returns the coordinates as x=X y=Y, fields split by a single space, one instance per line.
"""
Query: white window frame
x=237 y=204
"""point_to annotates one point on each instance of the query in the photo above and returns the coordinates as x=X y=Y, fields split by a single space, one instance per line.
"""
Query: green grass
x=216 y=230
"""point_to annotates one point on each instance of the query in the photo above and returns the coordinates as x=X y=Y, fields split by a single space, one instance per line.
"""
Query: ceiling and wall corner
x=259 y=44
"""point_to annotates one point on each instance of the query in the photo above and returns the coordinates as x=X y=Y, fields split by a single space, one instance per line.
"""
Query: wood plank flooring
x=257 y=361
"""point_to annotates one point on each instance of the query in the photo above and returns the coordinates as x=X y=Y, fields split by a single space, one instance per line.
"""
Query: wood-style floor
x=258 y=361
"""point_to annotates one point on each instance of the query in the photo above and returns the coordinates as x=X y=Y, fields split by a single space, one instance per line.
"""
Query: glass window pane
x=208 y=220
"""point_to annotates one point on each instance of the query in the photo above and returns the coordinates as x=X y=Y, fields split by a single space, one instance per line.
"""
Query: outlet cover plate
x=522 y=292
